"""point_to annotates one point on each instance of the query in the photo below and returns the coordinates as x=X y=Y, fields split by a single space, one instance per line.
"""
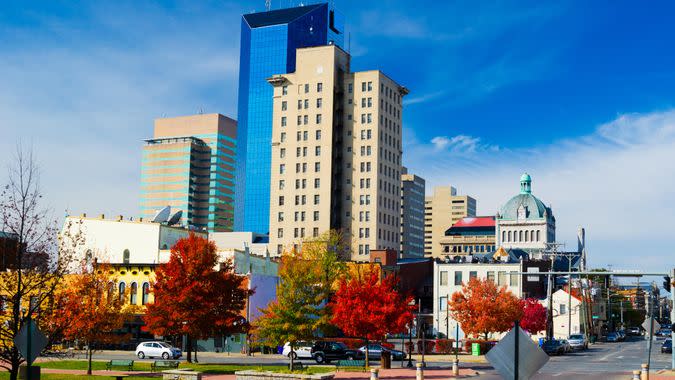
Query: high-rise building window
x=306 y=103
x=317 y=167
x=282 y=169
x=318 y=118
x=317 y=182
x=281 y=200
x=363 y=86
x=280 y=233
x=306 y=88
x=319 y=103
x=473 y=274
x=284 y=105
x=316 y=216
x=283 y=136
x=317 y=151
x=363 y=118
x=282 y=184
x=363 y=102
x=370 y=102
x=299 y=104
x=282 y=152
x=299 y=120
x=284 y=90
x=318 y=134
x=369 y=118
x=304 y=135
x=319 y=87
x=316 y=199
x=280 y=217
x=315 y=232
x=350 y=88
x=305 y=119
x=370 y=86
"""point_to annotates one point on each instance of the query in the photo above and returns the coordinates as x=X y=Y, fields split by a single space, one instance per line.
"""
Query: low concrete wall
x=177 y=374
x=267 y=375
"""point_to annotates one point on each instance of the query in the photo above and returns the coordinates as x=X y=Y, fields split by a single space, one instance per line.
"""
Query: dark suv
x=324 y=352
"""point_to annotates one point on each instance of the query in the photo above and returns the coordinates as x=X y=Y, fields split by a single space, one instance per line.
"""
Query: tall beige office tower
x=441 y=210
x=189 y=166
x=336 y=154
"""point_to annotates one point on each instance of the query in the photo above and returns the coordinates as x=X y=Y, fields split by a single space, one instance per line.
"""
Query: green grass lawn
x=204 y=368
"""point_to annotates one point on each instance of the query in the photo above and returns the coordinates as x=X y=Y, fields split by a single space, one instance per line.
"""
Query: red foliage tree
x=194 y=297
x=369 y=308
x=534 y=316
x=482 y=308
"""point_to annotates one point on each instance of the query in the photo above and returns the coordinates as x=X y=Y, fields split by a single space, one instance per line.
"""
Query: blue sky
x=579 y=94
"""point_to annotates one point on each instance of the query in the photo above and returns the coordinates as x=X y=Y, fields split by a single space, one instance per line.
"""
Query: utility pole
x=552 y=251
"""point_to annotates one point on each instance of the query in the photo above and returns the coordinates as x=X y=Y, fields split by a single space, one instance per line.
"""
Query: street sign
x=502 y=356
x=38 y=341
x=645 y=325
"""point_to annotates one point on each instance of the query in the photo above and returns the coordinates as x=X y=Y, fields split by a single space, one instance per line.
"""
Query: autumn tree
x=481 y=307
x=195 y=295
x=306 y=279
x=91 y=310
x=534 y=316
x=370 y=307
x=36 y=259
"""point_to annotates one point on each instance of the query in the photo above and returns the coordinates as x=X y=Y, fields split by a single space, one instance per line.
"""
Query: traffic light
x=666 y=283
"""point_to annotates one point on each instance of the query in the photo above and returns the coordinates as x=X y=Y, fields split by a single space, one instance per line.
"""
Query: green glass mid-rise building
x=189 y=165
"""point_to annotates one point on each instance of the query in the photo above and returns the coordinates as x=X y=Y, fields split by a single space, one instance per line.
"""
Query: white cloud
x=616 y=182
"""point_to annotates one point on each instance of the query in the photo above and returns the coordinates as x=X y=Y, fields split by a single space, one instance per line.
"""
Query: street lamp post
x=410 y=345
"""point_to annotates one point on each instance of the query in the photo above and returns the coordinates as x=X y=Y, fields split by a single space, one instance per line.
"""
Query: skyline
x=92 y=78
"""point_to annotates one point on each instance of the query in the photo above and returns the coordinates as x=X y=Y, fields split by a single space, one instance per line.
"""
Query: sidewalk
x=390 y=374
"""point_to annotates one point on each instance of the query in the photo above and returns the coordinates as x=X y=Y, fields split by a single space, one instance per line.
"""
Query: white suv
x=157 y=350
x=303 y=350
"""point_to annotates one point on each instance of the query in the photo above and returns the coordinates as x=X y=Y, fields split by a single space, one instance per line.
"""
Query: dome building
x=525 y=222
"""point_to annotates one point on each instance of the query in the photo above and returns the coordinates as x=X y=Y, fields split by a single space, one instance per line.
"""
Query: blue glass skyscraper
x=268 y=44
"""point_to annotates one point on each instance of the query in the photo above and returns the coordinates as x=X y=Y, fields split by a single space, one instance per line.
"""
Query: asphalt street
x=601 y=361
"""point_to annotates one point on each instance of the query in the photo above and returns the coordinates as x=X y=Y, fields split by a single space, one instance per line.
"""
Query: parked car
x=302 y=350
x=553 y=347
x=157 y=350
x=634 y=331
x=667 y=346
x=664 y=332
x=325 y=352
x=375 y=351
x=612 y=337
x=566 y=345
x=578 y=342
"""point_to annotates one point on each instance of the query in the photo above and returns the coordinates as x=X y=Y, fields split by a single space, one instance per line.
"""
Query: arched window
x=520 y=235
x=538 y=235
x=111 y=290
x=503 y=235
x=509 y=236
x=133 y=291
x=123 y=289
x=532 y=235
x=125 y=256
x=527 y=235
x=146 y=291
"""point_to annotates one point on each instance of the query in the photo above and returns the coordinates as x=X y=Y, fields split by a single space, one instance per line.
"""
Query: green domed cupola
x=525 y=184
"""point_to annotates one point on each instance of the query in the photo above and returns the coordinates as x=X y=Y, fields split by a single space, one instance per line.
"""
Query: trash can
x=475 y=349
x=385 y=360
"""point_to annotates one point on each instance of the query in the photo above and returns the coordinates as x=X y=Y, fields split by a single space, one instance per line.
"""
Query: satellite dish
x=175 y=217
x=162 y=215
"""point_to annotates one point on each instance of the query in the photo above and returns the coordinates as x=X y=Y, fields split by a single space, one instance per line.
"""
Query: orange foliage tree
x=193 y=297
x=91 y=310
x=483 y=308
x=369 y=308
